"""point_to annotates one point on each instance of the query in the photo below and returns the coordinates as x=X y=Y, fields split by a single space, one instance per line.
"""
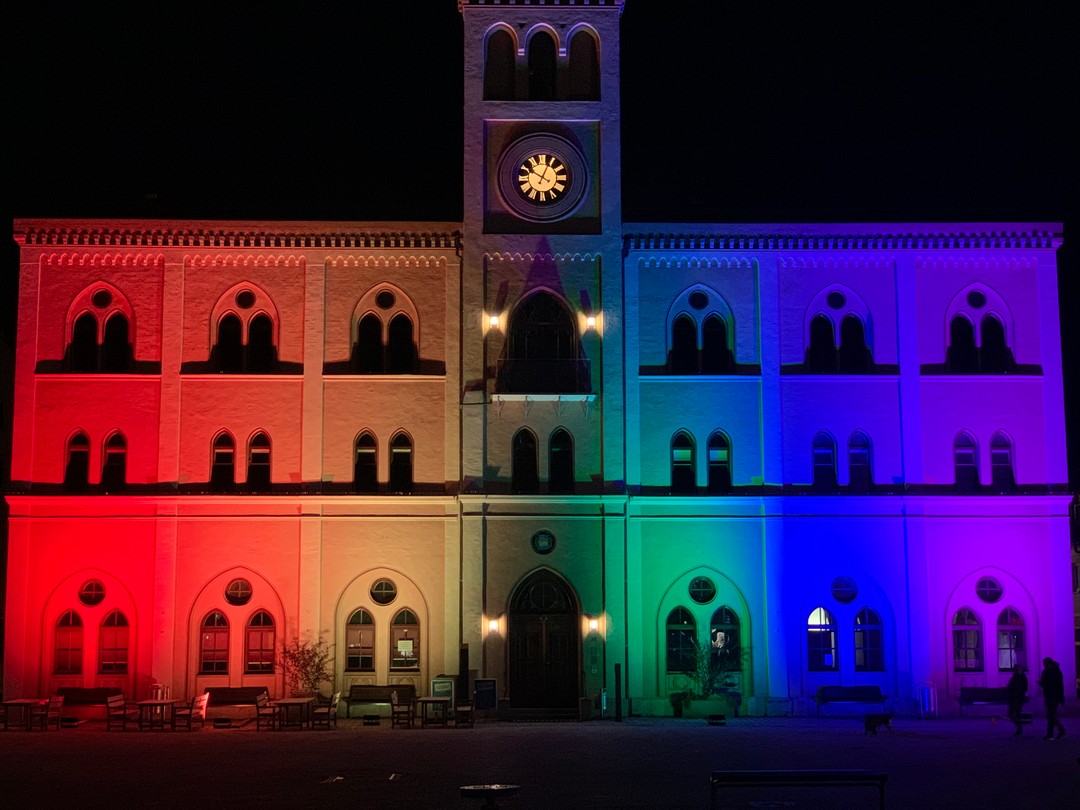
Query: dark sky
x=732 y=111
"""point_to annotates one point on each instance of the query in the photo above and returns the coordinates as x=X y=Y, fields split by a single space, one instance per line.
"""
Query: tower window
x=258 y=477
x=524 y=475
x=77 y=468
x=499 y=67
x=719 y=463
x=542 y=68
x=1001 y=463
x=821 y=354
x=561 y=463
x=683 y=473
x=584 y=68
x=965 y=463
x=114 y=471
x=401 y=464
x=824 y=456
x=859 y=471
x=222 y=469
x=365 y=466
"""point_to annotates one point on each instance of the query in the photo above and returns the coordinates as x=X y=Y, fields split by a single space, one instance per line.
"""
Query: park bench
x=376 y=697
x=848 y=695
x=87 y=702
x=228 y=703
x=807 y=778
x=983 y=696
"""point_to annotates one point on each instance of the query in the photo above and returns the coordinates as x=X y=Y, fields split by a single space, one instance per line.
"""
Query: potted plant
x=716 y=676
x=306 y=665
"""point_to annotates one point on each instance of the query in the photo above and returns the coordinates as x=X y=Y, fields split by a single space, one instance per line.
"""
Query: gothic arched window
x=715 y=355
x=401 y=463
x=719 y=463
x=853 y=356
x=821 y=354
x=82 y=353
x=116 y=348
x=360 y=642
x=821 y=641
x=1010 y=640
x=1001 y=463
x=400 y=348
x=543 y=349
x=859 y=470
x=68 y=645
x=223 y=463
x=561 y=463
x=966 y=462
x=114 y=470
x=113 y=645
x=824 y=456
x=869 y=647
x=524 y=474
x=258 y=473
x=365 y=464
x=259 y=649
x=967 y=641
x=995 y=357
x=405 y=640
x=681 y=641
x=961 y=357
x=261 y=351
x=683 y=470
x=77 y=465
x=214 y=644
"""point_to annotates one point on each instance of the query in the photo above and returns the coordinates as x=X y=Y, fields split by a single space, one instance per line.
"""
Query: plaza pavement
x=640 y=763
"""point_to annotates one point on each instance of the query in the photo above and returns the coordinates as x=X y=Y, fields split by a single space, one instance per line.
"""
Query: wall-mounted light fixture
x=492 y=626
x=491 y=322
x=594 y=625
x=591 y=322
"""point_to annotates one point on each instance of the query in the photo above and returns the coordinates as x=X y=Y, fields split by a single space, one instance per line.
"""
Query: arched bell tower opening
x=544 y=643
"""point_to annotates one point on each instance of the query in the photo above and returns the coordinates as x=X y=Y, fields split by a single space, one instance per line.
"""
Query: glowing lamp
x=590 y=322
x=594 y=625
x=493 y=321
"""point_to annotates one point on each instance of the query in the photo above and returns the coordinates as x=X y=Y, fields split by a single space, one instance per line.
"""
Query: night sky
x=732 y=111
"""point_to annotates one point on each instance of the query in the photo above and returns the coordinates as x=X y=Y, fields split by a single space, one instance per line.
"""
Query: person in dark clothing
x=1016 y=689
x=1053 y=686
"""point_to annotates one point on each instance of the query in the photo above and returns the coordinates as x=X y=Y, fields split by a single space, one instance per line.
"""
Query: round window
x=702 y=590
x=102 y=298
x=989 y=589
x=245 y=299
x=238 y=592
x=383 y=592
x=844 y=589
x=385 y=299
x=835 y=299
x=699 y=299
x=976 y=299
x=543 y=542
x=92 y=592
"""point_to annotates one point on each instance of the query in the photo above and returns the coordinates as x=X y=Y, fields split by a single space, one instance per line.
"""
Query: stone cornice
x=540 y=257
x=844 y=237
x=614 y=4
x=245 y=235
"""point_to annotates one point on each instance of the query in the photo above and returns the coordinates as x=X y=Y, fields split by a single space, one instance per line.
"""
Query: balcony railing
x=544 y=377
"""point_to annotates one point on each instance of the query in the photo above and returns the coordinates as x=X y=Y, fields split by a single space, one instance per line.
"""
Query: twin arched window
x=366 y=468
x=967 y=355
x=822 y=641
x=223 y=463
x=397 y=355
x=683 y=648
x=579 y=79
x=684 y=463
x=966 y=463
x=711 y=354
x=852 y=356
x=232 y=354
x=524 y=465
x=860 y=470
x=113 y=644
x=113 y=468
x=259 y=644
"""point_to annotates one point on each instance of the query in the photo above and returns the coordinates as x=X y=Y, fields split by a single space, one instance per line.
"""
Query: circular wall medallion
x=245 y=299
x=976 y=299
x=836 y=299
x=844 y=590
x=699 y=299
x=542 y=178
x=102 y=298
x=543 y=542
x=384 y=299
x=92 y=592
x=383 y=592
x=989 y=589
x=238 y=592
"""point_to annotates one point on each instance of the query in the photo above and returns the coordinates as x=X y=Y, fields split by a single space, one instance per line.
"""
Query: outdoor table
x=489 y=793
x=434 y=711
x=157 y=713
x=302 y=705
x=23 y=705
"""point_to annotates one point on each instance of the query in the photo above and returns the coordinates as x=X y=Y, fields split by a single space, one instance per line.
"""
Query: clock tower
x=542 y=403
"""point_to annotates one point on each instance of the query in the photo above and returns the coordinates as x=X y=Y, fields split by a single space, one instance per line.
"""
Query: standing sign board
x=443 y=687
x=485 y=694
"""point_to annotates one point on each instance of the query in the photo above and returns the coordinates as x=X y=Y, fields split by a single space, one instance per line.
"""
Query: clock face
x=543 y=177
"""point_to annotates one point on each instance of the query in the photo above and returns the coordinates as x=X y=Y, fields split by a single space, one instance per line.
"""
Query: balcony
x=543 y=377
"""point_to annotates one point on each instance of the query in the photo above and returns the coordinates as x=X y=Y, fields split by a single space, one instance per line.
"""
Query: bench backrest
x=88 y=696
x=235 y=695
x=115 y=703
x=854 y=694
x=360 y=693
x=984 y=694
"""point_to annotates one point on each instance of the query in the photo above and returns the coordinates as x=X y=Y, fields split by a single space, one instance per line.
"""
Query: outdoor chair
x=197 y=711
x=463 y=714
x=325 y=714
x=265 y=714
x=119 y=712
x=401 y=713
x=48 y=714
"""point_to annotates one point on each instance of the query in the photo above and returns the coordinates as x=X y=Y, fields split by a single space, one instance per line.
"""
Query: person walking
x=1053 y=687
x=1016 y=689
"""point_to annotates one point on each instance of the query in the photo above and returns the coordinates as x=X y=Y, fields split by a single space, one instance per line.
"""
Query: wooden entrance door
x=544 y=644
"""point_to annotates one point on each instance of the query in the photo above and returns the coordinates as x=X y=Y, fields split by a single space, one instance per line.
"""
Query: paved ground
x=656 y=763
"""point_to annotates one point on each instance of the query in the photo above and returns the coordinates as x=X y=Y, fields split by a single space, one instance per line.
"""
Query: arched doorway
x=545 y=643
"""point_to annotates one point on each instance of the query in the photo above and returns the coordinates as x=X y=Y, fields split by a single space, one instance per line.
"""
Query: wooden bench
x=848 y=695
x=87 y=702
x=233 y=702
x=983 y=696
x=850 y=778
x=372 y=695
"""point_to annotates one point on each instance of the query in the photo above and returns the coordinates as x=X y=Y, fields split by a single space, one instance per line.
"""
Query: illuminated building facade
x=542 y=445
